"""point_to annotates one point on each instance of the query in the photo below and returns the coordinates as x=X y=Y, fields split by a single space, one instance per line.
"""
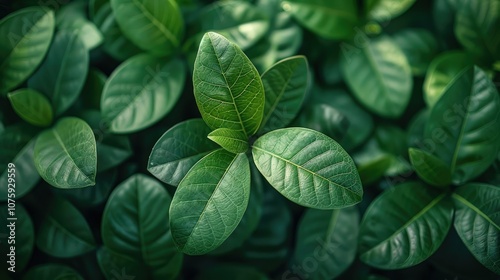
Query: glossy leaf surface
x=231 y=140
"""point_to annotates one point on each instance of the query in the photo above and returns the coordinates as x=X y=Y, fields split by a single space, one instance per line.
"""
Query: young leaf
x=404 y=226
x=231 y=140
x=52 y=271
x=156 y=27
x=430 y=168
x=25 y=37
x=62 y=74
x=141 y=91
x=227 y=87
x=419 y=46
x=329 y=238
x=210 y=202
x=385 y=10
x=31 y=106
x=466 y=114
x=179 y=149
x=65 y=155
x=308 y=167
x=285 y=85
x=379 y=76
x=135 y=223
x=329 y=19
x=73 y=18
x=478 y=223
x=64 y=232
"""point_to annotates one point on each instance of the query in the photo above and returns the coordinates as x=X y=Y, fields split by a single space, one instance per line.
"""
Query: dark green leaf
x=419 y=46
x=210 y=202
x=31 y=106
x=231 y=271
x=25 y=37
x=385 y=10
x=92 y=89
x=113 y=264
x=323 y=118
x=231 y=140
x=416 y=129
x=404 y=226
x=430 y=168
x=308 y=167
x=374 y=169
x=73 y=18
x=52 y=272
x=65 y=155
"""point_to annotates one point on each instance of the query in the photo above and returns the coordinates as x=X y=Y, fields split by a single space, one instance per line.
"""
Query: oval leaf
x=379 y=76
x=52 y=272
x=66 y=156
x=464 y=125
x=73 y=18
x=156 y=27
x=308 y=167
x=210 y=202
x=430 y=168
x=227 y=87
x=385 y=10
x=231 y=140
x=31 y=106
x=141 y=91
x=179 y=149
x=478 y=223
x=404 y=226
x=25 y=37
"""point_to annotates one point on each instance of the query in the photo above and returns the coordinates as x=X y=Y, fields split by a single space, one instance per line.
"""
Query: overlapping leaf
x=31 y=106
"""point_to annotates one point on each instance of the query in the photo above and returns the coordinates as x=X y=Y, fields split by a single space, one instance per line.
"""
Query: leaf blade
x=31 y=106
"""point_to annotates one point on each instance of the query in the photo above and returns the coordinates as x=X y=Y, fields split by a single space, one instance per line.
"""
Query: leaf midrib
x=68 y=232
x=168 y=34
x=278 y=99
x=471 y=206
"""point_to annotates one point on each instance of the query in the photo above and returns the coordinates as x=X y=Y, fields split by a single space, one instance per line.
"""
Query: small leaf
x=52 y=271
x=141 y=91
x=419 y=45
x=308 y=167
x=404 y=226
x=65 y=155
x=231 y=140
x=210 y=202
x=385 y=10
x=64 y=232
x=430 y=168
x=31 y=106
x=285 y=86
x=478 y=223
x=227 y=87
x=73 y=18
x=25 y=37
x=179 y=149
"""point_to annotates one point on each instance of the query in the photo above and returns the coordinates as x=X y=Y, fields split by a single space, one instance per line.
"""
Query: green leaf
x=179 y=149
x=328 y=19
x=52 y=271
x=31 y=106
x=404 y=226
x=478 y=223
x=156 y=27
x=285 y=86
x=329 y=237
x=62 y=74
x=464 y=125
x=141 y=91
x=323 y=118
x=25 y=37
x=379 y=76
x=308 y=167
x=443 y=69
x=92 y=89
x=416 y=129
x=374 y=169
x=73 y=18
x=385 y=10
x=210 y=202
x=430 y=168
x=232 y=271
x=231 y=140
x=135 y=224
x=65 y=155
x=419 y=46
x=227 y=87
x=24 y=235
x=64 y=232
x=113 y=264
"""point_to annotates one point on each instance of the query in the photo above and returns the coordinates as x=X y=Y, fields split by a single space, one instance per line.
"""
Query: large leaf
x=477 y=222
x=62 y=74
x=329 y=238
x=135 y=225
x=430 y=168
x=31 y=106
x=156 y=27
x=227 y=87
x=141 y=91
x=52 y=271
x=404 y=226
x=379 y=76
x=329 y=19
x=73 y=17
x=25 y=37
x=285 y=86
x=65 y=155
x=419 y=45
x=210 y=202
x=308 y=167
x=231 y=140
x=464 y=125
x=64 y=232
x=179 y=149
x=385 y=10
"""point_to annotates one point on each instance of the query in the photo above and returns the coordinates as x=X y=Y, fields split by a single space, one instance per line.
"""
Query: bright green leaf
x=419 y=45
x=386 y=10
x=231 y=140
x=430 y=168
x=65 y=155
x=308 y=167
x=31 y=106
x=210 y=202
x=52 y=271
x=73 y=18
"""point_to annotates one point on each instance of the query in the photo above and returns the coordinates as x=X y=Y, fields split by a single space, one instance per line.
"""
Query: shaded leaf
x=52 y=271
x=231 y=140
x=430 y=168
x=31 y=106
x=419 y=45
x=73 y=18
x=385 y=10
